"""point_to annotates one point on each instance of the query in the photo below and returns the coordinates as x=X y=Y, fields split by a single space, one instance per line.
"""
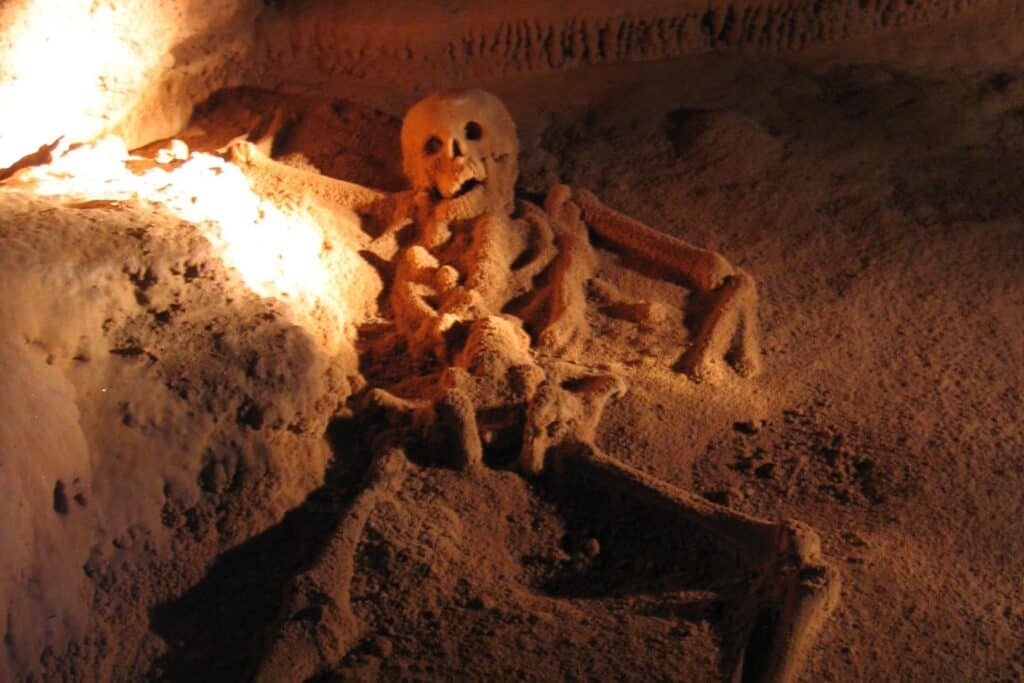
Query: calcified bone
x=559 y=307
x=460 y=154
x=325 y=628
x=462 y=148
x=793 y=593
x=263 y=172
x=465 y=292
x=734 y=306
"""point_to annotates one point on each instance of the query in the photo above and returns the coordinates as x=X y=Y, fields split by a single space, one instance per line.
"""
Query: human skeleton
x=493 y=289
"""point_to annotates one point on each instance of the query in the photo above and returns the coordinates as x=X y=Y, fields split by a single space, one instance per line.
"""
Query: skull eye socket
x=433 y=146
x=474 y=131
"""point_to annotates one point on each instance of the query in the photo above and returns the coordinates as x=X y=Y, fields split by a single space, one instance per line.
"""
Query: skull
x=461 y=149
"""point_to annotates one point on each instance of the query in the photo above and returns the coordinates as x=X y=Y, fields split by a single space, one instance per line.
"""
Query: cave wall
x=426 y=45
x=82 y=69
x=137 y=68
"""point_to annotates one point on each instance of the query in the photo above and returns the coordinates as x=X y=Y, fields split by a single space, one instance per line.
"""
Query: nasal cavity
x=456 y=149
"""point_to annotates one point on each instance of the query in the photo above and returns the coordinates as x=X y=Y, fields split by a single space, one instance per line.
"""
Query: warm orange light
x=279 y=251
x=66 y=68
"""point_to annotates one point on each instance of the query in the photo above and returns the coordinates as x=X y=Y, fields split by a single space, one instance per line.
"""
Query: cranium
x=462 y=148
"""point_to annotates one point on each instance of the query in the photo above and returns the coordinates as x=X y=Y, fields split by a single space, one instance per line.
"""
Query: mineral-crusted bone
x=468 y=290
x=563 y=302
x=794 y=589
x=732 y=321
x=463 y=144
x=259 y=168
x=317 y=626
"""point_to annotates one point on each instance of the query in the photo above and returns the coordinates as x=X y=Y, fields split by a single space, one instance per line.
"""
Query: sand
x=203 y=424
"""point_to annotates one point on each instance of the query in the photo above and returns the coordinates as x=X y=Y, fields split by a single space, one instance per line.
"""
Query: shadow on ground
x=216 y=630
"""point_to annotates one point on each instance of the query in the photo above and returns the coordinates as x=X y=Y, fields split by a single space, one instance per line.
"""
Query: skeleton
x=493 y=290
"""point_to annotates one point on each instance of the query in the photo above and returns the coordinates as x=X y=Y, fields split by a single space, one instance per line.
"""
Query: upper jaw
x=460 y=196
x=455 y=187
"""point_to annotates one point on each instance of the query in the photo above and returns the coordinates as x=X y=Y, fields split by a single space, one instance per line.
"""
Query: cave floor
x=881 y=211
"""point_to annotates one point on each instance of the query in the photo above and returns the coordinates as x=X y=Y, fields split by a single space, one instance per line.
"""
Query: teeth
x=455 y=189
x=463 y=207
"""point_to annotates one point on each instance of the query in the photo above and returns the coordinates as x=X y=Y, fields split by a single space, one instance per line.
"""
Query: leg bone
x=732 y=319
x=731 y=323
x=263 y=172
x=795 y=589
x=557 y=312
x=318 y=627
